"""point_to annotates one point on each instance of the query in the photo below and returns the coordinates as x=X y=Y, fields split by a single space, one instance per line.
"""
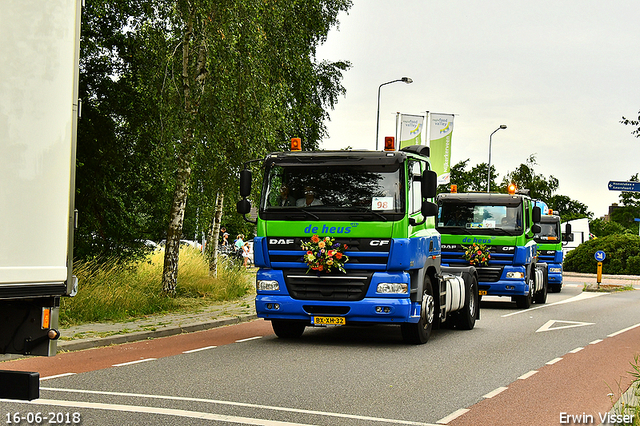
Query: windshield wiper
x=300 y=209
x=455 y=230
x=366 y=210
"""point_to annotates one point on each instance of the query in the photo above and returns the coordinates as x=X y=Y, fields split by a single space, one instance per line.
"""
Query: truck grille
x=328 y=287
x=548 y=256
x=453 y=255
x=487 y=274
x=286 y=253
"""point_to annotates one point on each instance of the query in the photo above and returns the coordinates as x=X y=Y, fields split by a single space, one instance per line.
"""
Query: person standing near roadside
x=225 y=236
x=245 y=255
x=238 y=243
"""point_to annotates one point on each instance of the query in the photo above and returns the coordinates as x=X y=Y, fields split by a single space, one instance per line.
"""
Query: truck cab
x=504 y=226
x=374 y=209
x=550 y=239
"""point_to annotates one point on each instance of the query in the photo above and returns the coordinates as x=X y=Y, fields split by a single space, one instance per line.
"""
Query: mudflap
x=467 y=273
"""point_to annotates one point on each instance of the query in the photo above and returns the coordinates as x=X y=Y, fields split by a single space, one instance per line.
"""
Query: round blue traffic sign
x=600 y=255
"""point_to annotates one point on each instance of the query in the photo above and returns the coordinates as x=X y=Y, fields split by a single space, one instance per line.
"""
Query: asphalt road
x=243 y=374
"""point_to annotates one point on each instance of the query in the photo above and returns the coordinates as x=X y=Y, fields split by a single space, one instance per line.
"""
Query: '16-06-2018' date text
x=49 y=418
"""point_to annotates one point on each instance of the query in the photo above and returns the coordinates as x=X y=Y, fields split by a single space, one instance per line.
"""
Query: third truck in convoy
x=550 y=240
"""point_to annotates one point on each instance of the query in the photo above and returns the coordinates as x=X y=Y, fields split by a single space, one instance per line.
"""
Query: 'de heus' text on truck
x=494 y=232
x=38 y=118
x=348 y=237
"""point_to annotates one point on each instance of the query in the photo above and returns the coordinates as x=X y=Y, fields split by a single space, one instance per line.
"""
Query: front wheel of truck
x=466 y=318
x=288 y=329
x=419 y=333
x=524 y=302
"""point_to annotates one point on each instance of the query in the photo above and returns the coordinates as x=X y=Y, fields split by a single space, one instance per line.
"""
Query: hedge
x=622 y=250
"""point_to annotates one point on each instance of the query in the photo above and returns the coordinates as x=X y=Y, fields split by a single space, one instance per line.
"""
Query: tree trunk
x=184 y=149
x=213 y=236
x=172 y=248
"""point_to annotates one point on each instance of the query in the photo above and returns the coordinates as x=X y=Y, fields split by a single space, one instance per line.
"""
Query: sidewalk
x=87 y=336
x=623 y=280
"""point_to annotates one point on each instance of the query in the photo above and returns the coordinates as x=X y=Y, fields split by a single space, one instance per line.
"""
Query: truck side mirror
x=429 y=184
x=537 y=215
x=429 y=209
x=245 y=183
x=567 y=235
x=535 y=228
x=243 y=207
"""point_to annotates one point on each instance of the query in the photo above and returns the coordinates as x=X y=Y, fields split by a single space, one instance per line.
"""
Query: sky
x=559 y=74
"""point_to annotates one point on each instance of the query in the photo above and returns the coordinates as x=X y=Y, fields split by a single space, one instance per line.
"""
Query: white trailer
x=579 y=232
x=38 y=120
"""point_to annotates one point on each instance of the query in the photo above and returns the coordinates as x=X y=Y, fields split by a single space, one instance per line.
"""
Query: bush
x=622 y=250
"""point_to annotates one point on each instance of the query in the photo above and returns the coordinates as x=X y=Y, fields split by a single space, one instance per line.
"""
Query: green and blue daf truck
x=348 y=237
x=502 y=227
x=550 y=240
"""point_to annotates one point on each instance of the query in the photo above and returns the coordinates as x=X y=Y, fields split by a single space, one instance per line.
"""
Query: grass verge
x=606 y=288
x=628 y=405
x=109 y=291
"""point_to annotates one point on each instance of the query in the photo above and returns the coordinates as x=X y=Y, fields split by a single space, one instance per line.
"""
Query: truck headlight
x=267 y=285
x=555 y=270
x=393 y=288
x=514 y=274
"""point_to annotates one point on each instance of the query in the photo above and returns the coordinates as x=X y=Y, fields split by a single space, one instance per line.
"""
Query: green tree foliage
x=568 y=208
x=623 y=255
x=635 y=123
x=631 y=199
x=602 y=228
x=524 y=176
x=180 y=94
x=121 y=193
x=473 y=180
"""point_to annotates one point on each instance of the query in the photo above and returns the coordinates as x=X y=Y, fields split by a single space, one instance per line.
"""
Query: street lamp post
x=404 y=80
x=502 y=126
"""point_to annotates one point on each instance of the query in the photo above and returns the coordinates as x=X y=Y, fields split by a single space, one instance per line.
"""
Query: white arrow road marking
x=549 y=325
x=581 y=296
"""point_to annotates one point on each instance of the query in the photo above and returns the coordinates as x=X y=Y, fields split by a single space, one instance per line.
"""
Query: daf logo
x=379 y=243
x=285 y=241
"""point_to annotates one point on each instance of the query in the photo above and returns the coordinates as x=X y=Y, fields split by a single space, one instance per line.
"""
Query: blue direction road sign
x=600 y=255
x=624 y=186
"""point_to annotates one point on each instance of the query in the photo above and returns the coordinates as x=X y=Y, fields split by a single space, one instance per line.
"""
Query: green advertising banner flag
x=410 y=130
x=440 y=134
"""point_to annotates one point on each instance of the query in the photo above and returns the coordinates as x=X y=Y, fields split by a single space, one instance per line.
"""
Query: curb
x=96 y=342
x=604 y=276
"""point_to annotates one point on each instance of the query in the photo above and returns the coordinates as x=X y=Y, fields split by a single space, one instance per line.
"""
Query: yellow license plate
x=329 y=321
x=482 y=292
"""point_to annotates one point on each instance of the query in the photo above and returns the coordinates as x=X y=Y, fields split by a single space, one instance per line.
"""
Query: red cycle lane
x=100 y=358
x=577 y=385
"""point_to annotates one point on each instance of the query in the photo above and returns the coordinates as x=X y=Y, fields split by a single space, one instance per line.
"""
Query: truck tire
x=524 y=302
x=555 y=288
x=541 y=297
x=419 y=333
x=466 y=318
x=288 y=329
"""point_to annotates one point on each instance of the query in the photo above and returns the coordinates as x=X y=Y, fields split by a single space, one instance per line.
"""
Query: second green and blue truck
x=502 y=227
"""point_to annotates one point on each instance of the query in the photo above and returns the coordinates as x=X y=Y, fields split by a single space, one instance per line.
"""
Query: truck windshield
x=333 y=188
x=462 y=218
x=549 y=232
